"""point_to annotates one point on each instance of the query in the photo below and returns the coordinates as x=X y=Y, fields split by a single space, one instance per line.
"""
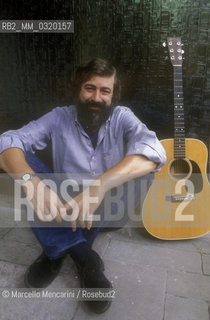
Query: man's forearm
x=13 y=162
x=131 y=167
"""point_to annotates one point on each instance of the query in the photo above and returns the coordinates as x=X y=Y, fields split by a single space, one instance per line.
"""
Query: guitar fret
x=179 y=128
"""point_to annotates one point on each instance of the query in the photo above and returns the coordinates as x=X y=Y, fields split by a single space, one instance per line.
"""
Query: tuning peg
x=182 y=51
x=164 y=44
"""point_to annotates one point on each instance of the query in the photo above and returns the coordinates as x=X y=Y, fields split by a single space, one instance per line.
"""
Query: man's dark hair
x=96 y=67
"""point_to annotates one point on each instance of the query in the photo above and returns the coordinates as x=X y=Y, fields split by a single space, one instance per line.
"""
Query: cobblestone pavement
x=152 y=279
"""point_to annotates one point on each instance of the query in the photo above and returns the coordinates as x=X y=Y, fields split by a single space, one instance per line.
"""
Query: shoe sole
x=27 y=284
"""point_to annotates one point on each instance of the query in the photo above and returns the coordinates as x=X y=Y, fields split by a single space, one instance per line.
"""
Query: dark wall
x=36 y=68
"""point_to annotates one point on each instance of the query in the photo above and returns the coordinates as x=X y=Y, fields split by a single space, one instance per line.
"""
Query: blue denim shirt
x=121 y=135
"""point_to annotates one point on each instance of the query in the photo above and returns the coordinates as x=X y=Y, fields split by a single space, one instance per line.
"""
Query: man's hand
x=44 y=201
x=84 y=205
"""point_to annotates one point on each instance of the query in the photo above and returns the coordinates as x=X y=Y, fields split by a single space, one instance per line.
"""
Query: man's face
x=95 y=99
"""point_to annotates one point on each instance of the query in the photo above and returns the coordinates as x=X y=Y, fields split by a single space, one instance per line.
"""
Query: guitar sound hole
x=179 y=168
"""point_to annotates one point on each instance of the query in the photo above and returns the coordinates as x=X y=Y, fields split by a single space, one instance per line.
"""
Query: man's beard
x=93 y=114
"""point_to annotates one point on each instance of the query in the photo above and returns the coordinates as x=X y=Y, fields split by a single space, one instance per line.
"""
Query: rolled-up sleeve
x=31 y=137
x=140 y=140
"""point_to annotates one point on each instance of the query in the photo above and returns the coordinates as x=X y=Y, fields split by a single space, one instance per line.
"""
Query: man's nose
x=97 y=96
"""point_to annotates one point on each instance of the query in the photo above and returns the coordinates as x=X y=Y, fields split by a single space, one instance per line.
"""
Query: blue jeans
x=57 y=239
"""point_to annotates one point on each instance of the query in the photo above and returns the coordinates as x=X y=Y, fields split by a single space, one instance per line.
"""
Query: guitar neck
x=179 y=127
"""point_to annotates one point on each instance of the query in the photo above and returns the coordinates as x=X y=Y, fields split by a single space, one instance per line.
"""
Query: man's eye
x=105 y=92
x=89 y=89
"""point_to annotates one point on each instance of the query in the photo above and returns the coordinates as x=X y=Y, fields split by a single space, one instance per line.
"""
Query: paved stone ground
x=153 y=279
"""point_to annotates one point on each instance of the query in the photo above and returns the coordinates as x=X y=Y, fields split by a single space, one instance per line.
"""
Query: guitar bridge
x=180 y=198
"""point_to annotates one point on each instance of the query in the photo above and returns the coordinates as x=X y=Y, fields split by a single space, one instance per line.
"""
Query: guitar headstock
x=175 y=51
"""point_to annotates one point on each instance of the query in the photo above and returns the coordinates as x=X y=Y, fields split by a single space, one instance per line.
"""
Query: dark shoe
x=92 y=276
x=42 y=272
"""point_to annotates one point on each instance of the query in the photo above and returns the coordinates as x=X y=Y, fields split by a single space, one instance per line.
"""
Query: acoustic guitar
x=178 y=202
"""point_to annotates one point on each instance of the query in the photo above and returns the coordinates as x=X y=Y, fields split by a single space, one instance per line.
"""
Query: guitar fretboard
x=179 y=128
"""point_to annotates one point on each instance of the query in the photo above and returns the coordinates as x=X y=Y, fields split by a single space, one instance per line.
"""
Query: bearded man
x=94 y=137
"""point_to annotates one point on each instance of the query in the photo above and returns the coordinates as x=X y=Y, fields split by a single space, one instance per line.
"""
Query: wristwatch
x=28 y=176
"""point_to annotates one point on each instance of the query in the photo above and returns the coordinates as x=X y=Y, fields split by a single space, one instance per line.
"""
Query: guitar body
x=177 y=203
x=176 y=206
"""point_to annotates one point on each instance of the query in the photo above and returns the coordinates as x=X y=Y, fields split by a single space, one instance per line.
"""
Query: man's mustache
x=99 y=105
